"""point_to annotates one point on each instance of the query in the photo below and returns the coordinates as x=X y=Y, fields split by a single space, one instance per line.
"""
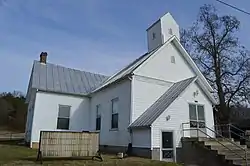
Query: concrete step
x=212 y=139
x=240 y=162
x=228 y=147
x=235 y=153
x=226 y=151
x=237 y=157
x=221 y=142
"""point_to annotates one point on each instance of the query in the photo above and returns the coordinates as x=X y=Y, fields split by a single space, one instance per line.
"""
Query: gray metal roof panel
x=67 y=80
x=160 y=105
x=55 y=78
x=42 y=74
x=50 y=82
x=57 y=85
x=35 y=76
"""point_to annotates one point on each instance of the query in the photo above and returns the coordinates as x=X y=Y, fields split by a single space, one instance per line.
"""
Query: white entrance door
x=167 y=147
x=197 y=120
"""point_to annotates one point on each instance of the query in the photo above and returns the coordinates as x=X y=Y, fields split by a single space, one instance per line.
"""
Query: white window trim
x=196 y=109
x=112 y=101
x=98 y=116
x=61 y=105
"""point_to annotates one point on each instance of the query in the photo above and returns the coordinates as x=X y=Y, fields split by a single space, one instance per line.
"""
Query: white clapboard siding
x=108 y=136
x=46 y=112
x=179 y=113
x=159 y=66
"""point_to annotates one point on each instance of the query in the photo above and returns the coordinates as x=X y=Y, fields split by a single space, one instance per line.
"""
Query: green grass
x=20 y=155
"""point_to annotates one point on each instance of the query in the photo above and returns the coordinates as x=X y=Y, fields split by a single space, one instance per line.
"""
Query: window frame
x=61 y=117
x=98 y=117
x=113 y=114
x=197 y=120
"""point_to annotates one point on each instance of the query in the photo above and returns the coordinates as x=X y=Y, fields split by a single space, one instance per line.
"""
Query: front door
x=167 y=147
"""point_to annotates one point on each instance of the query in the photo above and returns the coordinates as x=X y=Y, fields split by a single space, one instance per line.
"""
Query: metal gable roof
x=135 y=64
x=160 y=105
x=55 y=78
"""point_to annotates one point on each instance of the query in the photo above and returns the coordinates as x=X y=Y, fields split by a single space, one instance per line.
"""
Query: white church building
x=144 y=104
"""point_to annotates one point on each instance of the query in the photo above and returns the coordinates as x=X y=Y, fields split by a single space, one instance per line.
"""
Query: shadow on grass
x=34 y=159
x=19 y=142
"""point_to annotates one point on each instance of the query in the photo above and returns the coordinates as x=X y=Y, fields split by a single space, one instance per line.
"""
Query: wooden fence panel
x=68 y=144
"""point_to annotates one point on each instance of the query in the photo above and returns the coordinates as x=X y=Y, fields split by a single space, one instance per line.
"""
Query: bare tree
x=214 y=46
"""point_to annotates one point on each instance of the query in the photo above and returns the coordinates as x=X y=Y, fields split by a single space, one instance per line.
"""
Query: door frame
x=174 y=143
x=205 y=119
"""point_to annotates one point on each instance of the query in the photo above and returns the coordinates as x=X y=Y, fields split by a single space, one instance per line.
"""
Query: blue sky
x=95 y=35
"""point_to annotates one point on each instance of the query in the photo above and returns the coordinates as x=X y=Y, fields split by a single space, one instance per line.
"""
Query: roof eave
x=207 y=85
x=63 y=93
x=207 y=92
x=111 y=83
x=139 y=127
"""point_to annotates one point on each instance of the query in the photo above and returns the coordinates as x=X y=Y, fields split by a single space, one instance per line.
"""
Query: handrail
x=231 y=125
x=237 y=128
x=229 y=129
x=230 y=141
x=220 y=135
x=242 y=135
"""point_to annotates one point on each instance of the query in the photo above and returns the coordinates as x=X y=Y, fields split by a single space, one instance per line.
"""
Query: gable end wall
x=159 y=66
x=179 y=113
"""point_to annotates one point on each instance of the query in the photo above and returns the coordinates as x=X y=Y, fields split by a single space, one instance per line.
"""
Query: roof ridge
x=66 y=80
x=59 y=65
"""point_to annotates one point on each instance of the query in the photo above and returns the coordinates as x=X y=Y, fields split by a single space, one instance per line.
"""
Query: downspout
x=130 y=77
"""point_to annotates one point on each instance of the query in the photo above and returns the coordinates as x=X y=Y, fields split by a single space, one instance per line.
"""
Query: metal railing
x=215 y=139
x=231 y=129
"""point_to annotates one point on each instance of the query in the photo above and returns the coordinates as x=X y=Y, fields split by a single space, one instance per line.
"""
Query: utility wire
x=234 y=7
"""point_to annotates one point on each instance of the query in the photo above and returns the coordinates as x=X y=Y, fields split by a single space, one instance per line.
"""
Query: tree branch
x=235 y=73
x=237 y=89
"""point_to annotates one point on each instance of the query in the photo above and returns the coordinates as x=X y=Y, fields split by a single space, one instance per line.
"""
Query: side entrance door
x=167 y=147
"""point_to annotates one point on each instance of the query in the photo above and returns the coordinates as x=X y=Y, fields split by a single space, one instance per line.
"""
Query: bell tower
x=160 y=31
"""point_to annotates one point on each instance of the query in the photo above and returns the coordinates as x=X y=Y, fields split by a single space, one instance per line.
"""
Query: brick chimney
x=43 y=57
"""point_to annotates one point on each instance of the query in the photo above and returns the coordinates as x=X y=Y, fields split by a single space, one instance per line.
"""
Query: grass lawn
x=20 y=155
